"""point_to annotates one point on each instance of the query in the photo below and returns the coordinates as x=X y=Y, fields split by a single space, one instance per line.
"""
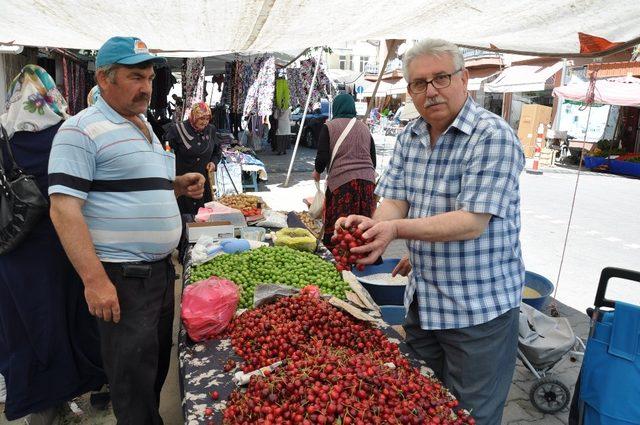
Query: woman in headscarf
x=49 y=345
x=193 y=142
x=93 y=95
x=351 y=174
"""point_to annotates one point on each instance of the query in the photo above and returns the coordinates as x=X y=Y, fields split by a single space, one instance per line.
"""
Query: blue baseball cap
x=126 y=51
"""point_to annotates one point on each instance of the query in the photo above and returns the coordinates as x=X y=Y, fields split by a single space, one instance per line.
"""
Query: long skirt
x=354 y=197
x=49 y=343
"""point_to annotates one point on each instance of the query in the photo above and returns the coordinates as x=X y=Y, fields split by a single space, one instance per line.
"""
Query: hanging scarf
x=194 y=87
x=34 y=104
x=344 y=106
x=199 y=110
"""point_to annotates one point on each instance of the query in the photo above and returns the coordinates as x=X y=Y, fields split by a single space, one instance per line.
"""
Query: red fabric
x=592 y=44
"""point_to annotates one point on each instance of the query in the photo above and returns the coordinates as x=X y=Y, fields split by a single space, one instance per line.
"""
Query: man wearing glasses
x=451 y=190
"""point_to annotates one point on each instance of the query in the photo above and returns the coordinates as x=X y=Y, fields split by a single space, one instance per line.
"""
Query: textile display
x=300 y=81
x=74 y=85
x=283 y=96
x=247 y=161
x=237 y=99
x=225 y=98
x=192 y=83
x=246 y=76
x=259 y=97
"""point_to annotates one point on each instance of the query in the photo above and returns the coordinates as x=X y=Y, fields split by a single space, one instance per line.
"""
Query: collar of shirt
x=111 y=113
x=464 y=121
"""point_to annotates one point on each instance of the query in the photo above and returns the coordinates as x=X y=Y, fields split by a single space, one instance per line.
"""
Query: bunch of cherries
x=342 y=243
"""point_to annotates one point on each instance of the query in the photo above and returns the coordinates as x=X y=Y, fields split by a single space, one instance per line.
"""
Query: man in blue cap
x=113 y=203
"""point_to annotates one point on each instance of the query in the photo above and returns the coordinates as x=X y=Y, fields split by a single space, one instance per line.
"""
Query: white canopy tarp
x=524 y=78
x=211 y=27
x=382 y=89
x=623 y=91
x=399 y=87
x=474 y=84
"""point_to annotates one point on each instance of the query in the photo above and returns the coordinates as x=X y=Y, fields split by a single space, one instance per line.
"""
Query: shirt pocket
x=445 y=192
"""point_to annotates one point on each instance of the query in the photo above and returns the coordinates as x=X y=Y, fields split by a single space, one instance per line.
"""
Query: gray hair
x=109 y=71
x=432 y=47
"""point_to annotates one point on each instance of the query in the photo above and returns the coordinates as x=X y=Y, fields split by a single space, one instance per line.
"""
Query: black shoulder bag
x=22 y=204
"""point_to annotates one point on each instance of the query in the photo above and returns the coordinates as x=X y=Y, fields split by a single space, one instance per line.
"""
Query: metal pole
x=304 y=117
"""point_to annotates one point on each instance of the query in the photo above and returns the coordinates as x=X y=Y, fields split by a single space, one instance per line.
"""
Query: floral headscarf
x=199 y=110
x=34 y=104
x=93 y=95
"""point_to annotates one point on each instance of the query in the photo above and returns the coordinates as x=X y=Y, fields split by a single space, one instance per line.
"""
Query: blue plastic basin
x=540 y=284
x=382 y=294
x=393 y=314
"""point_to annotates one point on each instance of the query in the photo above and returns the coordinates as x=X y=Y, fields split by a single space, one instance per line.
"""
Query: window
x=363 y=62
x=343 y=62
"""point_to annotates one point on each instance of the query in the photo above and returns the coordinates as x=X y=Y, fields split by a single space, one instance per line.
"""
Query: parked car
x=313 y=124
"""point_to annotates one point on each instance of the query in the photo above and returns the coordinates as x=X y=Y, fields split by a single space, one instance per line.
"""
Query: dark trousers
x=476 y=363
x=272 y=132
x=136 y=351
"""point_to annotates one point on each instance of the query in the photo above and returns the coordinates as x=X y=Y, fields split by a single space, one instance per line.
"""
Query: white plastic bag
x=273 y=219
x=317 y=206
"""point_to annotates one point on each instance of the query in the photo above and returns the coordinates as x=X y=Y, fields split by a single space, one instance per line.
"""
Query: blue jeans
x=476 y=363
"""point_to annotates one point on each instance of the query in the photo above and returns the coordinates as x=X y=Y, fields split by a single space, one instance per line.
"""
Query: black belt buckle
x=139 y=271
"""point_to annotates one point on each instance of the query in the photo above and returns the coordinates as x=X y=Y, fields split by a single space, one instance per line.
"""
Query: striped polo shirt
x=125 y=181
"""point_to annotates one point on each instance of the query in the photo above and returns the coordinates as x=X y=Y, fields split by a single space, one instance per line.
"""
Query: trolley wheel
x=549 y=395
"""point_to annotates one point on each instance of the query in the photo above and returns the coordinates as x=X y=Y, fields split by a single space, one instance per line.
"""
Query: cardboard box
x=530 y=118
x=216 y=229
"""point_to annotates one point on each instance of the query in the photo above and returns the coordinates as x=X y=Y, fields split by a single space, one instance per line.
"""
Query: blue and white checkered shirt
x=474 y=166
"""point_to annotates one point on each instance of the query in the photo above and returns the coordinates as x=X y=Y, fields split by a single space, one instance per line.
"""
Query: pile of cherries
x=293 y=326
x=341 y=245
x=332 y=386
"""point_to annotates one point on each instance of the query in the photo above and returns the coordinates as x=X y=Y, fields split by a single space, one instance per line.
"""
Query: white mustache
x=433 y=101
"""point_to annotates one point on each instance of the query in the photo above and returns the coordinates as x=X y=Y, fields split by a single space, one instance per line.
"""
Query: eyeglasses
x=441 y=81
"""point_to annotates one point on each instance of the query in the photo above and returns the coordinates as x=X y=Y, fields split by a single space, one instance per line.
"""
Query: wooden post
x=392 y=46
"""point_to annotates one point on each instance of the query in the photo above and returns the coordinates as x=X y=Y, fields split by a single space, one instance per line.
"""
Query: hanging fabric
x=296 y=91
x=259 y=98
x=300 y=80
x=74 y=85
x=194 y=84
x=283 y=96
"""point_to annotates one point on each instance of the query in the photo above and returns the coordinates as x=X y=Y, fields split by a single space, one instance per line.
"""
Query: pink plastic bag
x=208 y=306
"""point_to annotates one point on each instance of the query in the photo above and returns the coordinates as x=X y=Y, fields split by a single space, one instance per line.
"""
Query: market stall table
x=201 y=365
